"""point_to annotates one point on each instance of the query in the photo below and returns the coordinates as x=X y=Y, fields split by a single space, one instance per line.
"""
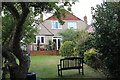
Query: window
x=72 y=25
x=56 y=25
x=40 y=39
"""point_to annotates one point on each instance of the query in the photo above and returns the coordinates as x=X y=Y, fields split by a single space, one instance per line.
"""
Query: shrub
x=67 y=49
x=85 y=44
x=75 y=52
x=49 y=45
x=91 y=59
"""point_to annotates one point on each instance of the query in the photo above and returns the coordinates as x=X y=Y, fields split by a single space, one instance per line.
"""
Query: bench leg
x=79 y=71
x=58 y=73
x=82 y=71
x=61 y=73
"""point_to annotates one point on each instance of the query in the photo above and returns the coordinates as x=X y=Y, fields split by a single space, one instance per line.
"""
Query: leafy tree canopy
x=72 y=35
x=20 y=12
x=107 y=26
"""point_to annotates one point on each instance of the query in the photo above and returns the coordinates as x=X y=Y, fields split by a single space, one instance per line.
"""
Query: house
x=90 y=28
x=49 y=29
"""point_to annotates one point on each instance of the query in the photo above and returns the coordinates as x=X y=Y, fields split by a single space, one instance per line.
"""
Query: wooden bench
x=70 y=63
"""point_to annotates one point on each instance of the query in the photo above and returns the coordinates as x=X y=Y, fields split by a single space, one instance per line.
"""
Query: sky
x=82 y=8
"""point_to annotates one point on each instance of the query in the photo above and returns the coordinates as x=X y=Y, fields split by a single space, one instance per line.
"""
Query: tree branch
x=9 y=56
x=12 y=9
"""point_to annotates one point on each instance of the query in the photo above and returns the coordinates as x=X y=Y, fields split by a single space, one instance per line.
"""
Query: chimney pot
x=85 y=19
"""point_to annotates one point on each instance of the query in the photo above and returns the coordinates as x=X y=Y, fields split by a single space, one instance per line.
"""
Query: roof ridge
x=46 y=28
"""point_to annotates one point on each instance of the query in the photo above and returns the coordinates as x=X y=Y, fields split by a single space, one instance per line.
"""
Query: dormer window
x=56 y=25
x=72 y=25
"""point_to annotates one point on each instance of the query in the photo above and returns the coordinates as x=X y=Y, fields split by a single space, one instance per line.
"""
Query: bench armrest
x=59 y=66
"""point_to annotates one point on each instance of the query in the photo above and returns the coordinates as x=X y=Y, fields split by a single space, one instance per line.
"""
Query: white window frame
x=53 y=24
x=40 y=39
x=75 y=25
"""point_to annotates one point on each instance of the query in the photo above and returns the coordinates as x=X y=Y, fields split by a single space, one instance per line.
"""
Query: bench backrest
x=71 y=62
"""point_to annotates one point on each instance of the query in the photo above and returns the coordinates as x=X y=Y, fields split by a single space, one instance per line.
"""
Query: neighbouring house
x=90 y=28
x=49 y=29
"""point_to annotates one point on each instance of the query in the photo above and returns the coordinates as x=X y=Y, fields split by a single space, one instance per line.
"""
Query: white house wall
x=48 y=23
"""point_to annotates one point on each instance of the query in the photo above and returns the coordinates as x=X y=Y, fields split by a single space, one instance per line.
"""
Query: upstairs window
x=72 y=25
x=40 y=39
x=56 y=25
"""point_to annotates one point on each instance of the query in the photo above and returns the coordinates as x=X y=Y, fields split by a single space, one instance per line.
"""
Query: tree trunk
x=17 y=71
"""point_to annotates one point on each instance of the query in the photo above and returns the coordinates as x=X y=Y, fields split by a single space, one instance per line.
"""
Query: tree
x=72 y=35
x=85 y=44
x=107 y=35
x=7 y=27
x=19 y=12
x=28 y=33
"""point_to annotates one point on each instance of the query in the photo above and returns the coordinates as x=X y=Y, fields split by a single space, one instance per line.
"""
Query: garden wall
x=47 y=52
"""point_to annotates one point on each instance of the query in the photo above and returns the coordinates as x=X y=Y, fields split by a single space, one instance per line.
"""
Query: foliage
x=107 y=26
x=29 y=30
x=7 y=28
x=85 y=44
x=82 y=39
x=54 y=46
x=91 y=59
x=49 y=45
x=72 y=35
x=67 y=49
x=75 y=52
x=19 y=12
x=8 y=24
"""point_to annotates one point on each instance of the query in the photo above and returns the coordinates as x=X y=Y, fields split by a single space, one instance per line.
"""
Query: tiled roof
x=68 y=16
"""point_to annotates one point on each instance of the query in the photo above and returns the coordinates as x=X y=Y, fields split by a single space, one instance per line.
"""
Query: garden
x=46 y=67
x=99 y=49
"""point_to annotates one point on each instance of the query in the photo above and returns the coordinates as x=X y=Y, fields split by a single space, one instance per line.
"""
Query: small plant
x=67 y=49
x=54 y=46
x=49 y=45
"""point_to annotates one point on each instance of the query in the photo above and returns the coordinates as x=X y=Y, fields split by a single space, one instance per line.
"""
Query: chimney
x=85 y=19
x=41 y=18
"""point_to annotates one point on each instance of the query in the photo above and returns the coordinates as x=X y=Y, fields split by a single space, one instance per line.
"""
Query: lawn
x=46 y=67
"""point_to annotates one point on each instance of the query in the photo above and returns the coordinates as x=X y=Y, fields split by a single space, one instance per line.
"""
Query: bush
x=67 y=49
x=49 y=45
x=91 y=59
x=84 y=44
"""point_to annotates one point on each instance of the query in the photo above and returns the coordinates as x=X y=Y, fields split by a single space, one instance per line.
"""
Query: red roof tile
x=68 y=16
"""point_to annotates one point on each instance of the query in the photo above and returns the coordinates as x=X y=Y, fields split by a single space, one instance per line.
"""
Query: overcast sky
x=82 y=8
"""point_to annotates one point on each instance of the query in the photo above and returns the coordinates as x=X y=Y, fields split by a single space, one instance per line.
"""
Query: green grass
x=46 y=67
